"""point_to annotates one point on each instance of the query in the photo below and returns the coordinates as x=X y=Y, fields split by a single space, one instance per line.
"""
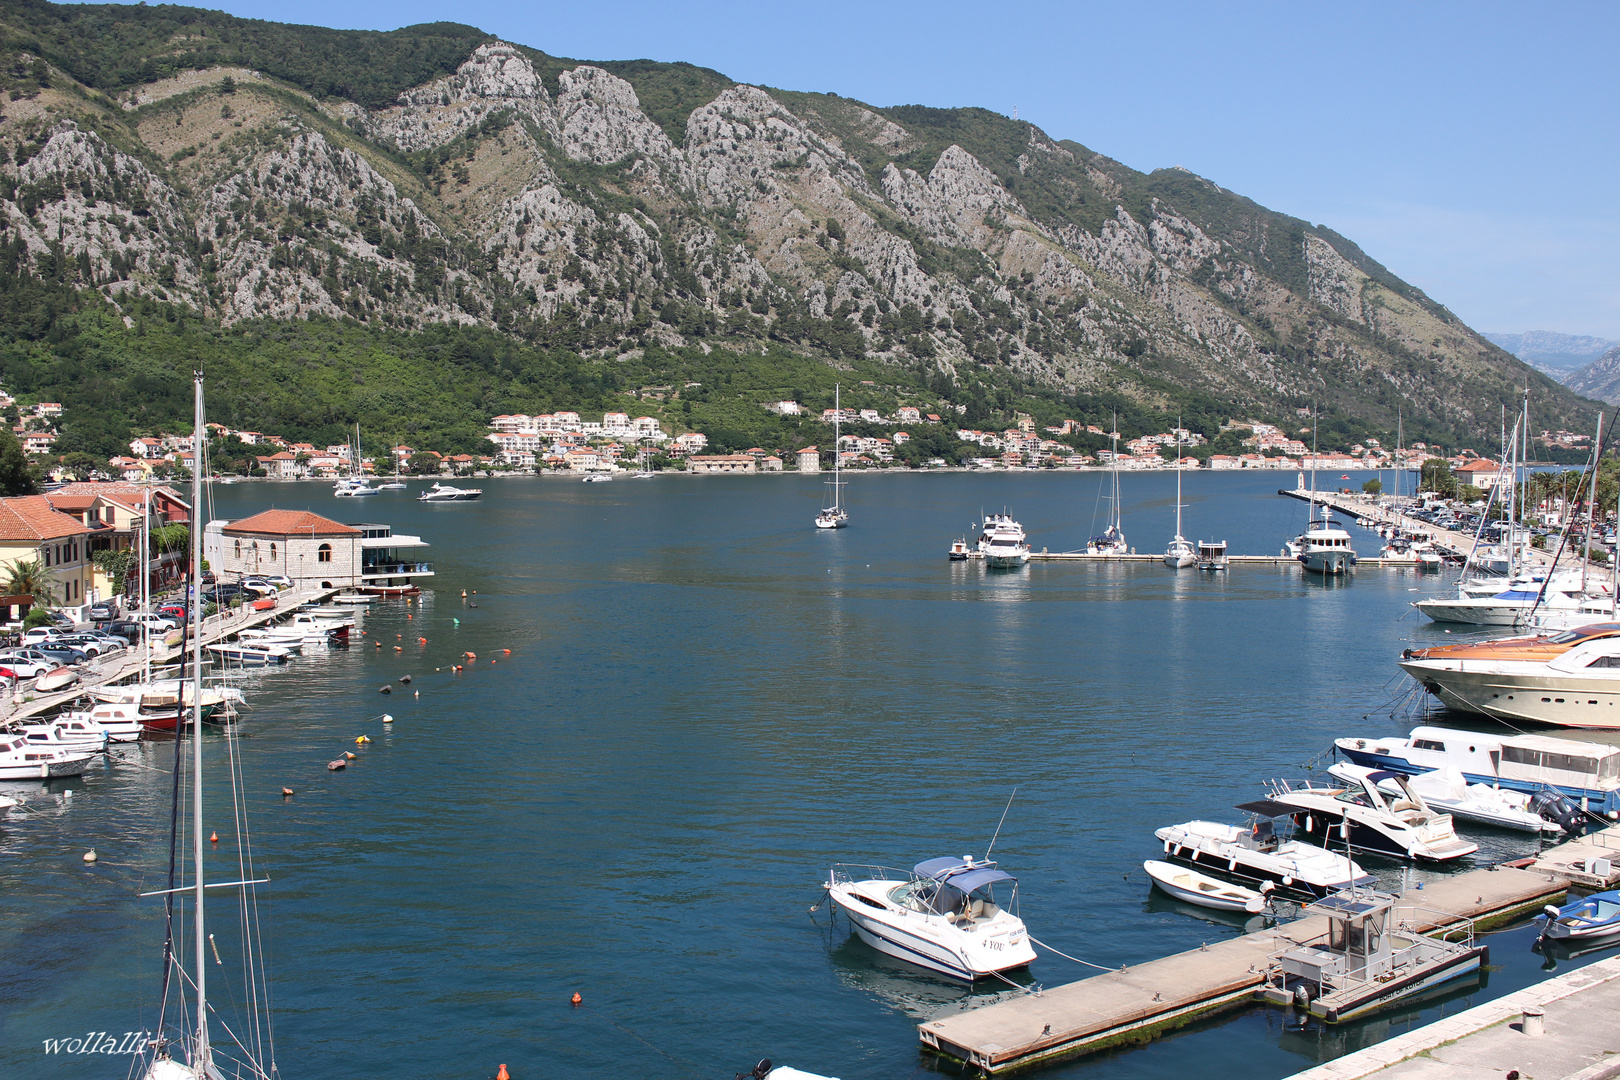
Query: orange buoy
x=508 y=652
x=407 y=614
x=398 y=648
x=421 y=641
x=214 y=838
x=471 y=655
x=464 y=593
x=348 y=756
x=502 y=1074
x=286 y=791
x=576 y=999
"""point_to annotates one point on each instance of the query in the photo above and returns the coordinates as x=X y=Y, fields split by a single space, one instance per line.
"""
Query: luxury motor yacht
x=946 y=915
x=1588 y=772
x=1003 y=543
x=1325 y=547
x=1571 y=679
x=446 y=493
x=1507 y=604
x=1262 y=851
x=1356 y=813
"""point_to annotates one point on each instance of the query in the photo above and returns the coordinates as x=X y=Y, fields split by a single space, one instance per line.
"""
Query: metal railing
x=395 y=569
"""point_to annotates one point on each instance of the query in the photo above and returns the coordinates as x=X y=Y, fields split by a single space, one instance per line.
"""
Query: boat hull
x=1381 y=995
x=1595 y=798
x=1225 y=897
x=1327 y=563
x=1488 y=613
x=46 y=770
x=883 y=934
x=1563 y=700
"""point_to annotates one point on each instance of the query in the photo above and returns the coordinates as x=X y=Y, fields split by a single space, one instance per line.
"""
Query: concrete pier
x=1138 y=1003
x=1579 y=1039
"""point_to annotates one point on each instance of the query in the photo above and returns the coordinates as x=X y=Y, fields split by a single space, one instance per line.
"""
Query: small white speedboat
x=1447 y=790
x=1187 y=884
x=21 y=761
x=946 y=915
x=250 y=657
x=56 y=679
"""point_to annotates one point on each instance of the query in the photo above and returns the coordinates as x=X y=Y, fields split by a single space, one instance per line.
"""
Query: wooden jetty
x=129 y=663
x=1135 y=1004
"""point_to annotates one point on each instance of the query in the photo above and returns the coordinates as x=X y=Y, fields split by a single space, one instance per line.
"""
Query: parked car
x=157 y=623
x=103 y=611
x=44 y=633
x=258 y=586
x=221 y=594
x=22 y=665
x=62 y=654
x=91 y=644
x=280 y=581
x=208 y=577
x=125 y=629
x=173 y=611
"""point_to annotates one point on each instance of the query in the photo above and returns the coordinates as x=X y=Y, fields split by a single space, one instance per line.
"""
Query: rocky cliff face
x=541 y=197
x=1600 y=379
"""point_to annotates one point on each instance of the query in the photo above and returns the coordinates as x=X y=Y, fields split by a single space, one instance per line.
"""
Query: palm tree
x=31 y=579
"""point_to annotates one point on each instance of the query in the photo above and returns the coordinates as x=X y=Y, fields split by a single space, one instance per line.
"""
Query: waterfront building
x=722 y=463
x=115 y=512
x=809 y=460
x=313 y=551
x=31 y=530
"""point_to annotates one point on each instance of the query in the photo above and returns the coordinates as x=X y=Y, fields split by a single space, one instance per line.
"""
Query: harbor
x=674 y=759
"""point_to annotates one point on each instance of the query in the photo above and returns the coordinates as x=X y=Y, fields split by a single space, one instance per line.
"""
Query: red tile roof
x=30 y=518
x=292 y=523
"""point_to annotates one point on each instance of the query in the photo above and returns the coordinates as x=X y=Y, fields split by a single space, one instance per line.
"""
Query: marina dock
x=129 y=663
x=1135 y=1004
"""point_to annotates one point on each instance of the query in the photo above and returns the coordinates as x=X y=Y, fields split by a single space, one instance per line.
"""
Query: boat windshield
x=1582 y=633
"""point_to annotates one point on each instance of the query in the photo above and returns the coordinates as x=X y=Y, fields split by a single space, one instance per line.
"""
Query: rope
x=1066 y=956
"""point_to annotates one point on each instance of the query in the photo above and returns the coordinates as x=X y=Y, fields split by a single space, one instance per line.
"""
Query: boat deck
x=1137 y=1003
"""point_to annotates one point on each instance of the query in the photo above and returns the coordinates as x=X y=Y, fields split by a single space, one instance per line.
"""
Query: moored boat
x=1263 y=850
x=1357 y=814
x=1589 y=918
x=1004 y=544
x=19 y=760
x=445 y=493
x=1185 y=883
x=1446 y=790
x=1571 y=678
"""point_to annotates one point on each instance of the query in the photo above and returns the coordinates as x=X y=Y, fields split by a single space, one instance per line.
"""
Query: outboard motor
x=1560 y=810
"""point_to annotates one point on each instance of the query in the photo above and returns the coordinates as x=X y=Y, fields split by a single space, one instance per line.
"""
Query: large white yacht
x=1357 y=814
x=946 y=915
x=1510 y=603
x=1325 y=547
x=1003 y=542
x=446 y=493
x=1571 y=678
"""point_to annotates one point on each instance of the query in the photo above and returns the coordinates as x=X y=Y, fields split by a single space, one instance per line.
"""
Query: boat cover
x=959 y=875
x=1267 y=808
x=1517 y=594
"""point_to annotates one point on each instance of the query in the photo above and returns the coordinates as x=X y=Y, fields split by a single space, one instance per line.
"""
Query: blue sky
x=1471 y=147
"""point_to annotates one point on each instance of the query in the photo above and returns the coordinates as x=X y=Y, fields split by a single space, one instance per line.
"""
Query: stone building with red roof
x=297 y=544
x=32 y=530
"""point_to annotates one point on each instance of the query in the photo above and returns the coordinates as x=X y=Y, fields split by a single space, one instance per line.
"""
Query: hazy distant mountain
x=1559 y=355
x=1600 y=379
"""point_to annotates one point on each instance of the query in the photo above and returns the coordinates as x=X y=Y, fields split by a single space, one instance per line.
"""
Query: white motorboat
x=122 y=723
x=68 y=736
x=355 y=488
x=1180 y=553
x=446 y=493
x=19 y=760
x=1185 y=883
x=596 y=478
x=835 y=516
x=1511 y=602
x=1212 y=555
x=1446 y=790
x=56 y=679
x=1262 y=851
x=250 y=657
x=1002 y=542
x=1571 y=679
x=1586 y=919
x=356 y=599
x=945 y=915
x=1358 y=815
x=1326 y=547
x=1586 y=772
x=392 y=485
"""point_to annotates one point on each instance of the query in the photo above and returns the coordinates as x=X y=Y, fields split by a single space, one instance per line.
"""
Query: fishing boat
x=945 y=915
x=1112 y=539
x=445 y=493
x=1187 y=884
x=21 y=761
x=1180 y=552
x=1570 y=678
x=1356 y=814
x=1368 y=959
x=1590 y=917
x=1586 y=772
x=1447 y=791
x=1003 y=543
x=1262 y=851
x=835 y=516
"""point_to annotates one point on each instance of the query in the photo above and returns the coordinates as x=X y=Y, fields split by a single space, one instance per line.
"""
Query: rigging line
x=1066 y=956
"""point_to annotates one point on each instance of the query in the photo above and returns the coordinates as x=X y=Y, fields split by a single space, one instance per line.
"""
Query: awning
x=1267 y=808
x=959 y=875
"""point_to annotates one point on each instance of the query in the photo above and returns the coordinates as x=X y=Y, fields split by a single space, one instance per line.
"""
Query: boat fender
x=387 y=719
x=90 y=856
x=406 y=679
x=1167 y=847
x=1231 y=864
x=386 y=688
x=1288 y=880
x=1302 y=998
x=1309 y=822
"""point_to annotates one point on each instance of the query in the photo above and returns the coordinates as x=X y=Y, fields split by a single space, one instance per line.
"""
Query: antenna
x=993 y=839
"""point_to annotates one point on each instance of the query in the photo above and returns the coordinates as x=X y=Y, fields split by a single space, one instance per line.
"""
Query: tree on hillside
x=425 y=464
x=80 y=465
x=1436 y=477
x=16 y=476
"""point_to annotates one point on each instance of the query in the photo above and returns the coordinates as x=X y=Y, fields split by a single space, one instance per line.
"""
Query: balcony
x=371 y=571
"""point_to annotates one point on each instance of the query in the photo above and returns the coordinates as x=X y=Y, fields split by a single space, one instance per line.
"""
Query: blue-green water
x=706 y=703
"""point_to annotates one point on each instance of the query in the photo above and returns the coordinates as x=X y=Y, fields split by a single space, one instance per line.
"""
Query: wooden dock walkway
x=129 y=663
x=1137 y=1003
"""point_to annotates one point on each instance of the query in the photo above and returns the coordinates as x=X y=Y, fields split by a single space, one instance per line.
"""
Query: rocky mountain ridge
x=541 y=197
x=1559 y=355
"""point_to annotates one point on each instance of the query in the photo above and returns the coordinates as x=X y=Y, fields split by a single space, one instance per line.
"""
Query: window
x=239 y=549
x=323 y=553
x=272 y=553
x=1428 y=744
x=47 y=552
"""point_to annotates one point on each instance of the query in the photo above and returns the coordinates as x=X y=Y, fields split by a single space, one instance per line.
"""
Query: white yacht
x=1571 y=678
x=1588 y=772
x=1325 y=547
x=1112 y=540
x=945 y=915
x=19 y=760
x=446 y=493
x=835 y=516
x=1511 y=602
x=68 y=736
x=1446 y=790
x=1180 y=553
x=121 y=722
x=355 y=487
x=247 y=656
x=1003 y=543
x=1357 y=814
x=1262 y=851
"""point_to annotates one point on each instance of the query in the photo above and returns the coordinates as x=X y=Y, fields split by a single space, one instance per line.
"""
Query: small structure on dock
x=1364 y=963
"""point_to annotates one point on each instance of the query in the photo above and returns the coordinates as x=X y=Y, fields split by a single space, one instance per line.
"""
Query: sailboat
x=189 y=1054
x=1112 y=540
x=835 y=516
x=1180 y=553
x=355 y=484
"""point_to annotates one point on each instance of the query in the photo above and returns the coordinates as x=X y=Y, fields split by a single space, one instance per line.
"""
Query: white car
x=24 y=666
x=44 y=633
x=153 y=622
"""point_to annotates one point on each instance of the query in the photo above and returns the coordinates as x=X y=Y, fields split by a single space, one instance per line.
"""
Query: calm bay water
x=706 y=703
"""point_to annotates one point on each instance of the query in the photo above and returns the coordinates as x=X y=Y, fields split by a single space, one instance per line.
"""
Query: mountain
x=245 y=173
x=1559 y=355
x=1600 y=379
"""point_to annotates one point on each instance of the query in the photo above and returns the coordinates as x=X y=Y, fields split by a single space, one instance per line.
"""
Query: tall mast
x=838 y=418
x=1178 y=478
x=1591 y=503
x=200 y=1057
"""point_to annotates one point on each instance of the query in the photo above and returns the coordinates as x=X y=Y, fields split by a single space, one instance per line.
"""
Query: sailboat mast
x=1178 y=478
x=200 y=1055
x=838 y=419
